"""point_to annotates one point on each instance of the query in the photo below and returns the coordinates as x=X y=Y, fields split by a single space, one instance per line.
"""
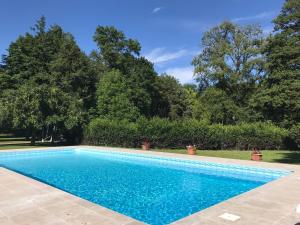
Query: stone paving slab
x=24 y=201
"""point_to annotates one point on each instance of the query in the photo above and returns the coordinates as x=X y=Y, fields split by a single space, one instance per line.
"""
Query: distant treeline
x=50 y=88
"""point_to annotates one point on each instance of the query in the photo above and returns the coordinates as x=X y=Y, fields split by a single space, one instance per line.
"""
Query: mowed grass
x=292 y=157
x=17 y=146
x=8 y=141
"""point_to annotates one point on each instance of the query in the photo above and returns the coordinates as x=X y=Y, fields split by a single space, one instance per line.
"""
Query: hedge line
x=163 y=133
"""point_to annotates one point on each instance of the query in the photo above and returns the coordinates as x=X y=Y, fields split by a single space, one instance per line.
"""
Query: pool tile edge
x=24 y=197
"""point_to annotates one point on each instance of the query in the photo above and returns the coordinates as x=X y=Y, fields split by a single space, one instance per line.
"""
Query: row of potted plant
x=256 y=154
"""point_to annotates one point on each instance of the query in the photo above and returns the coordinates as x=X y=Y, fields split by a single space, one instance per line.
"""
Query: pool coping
x=277 y=199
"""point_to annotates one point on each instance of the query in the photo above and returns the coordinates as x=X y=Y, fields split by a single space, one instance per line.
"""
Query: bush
x=163 y=133
x=294 y=134
x=111 y=133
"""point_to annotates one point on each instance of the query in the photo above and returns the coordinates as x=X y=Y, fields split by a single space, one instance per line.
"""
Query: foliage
x=116 y=51
x=49 y=87
x=228 y=71
x=113 y=98
x=111 y=132
x=279 y=96
x=220 y=107
x=164 y=133
x=120 y=53
x=195 y=106
x=231 y=60
x=295 y=134
x=49 y=82
x=172 y=97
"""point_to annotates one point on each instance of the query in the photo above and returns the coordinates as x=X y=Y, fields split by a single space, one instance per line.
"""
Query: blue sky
x=169 y=30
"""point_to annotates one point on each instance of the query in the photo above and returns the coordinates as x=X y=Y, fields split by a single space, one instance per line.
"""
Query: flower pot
x=146 y=145
x=256 y=156
x=191 y=150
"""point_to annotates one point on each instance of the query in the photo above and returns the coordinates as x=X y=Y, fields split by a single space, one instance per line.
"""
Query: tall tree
x=172 y=100
x=120 y=53
x=113 y=98
x=279 y=95
x=195 y=105
x=231 y=60
x=219 y=107
x=47 y=70
x=116 y=51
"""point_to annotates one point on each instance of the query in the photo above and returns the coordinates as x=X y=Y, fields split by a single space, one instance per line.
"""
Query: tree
x=47 y=70
x=220 y=107
x=279 y=96
x=116 y=52
x=195 y=105
x=113 y=98
x=26 y=109
x=231 y=60
x=141 y=83
x=172 y=97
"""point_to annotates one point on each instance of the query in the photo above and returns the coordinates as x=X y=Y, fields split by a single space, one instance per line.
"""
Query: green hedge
x=163 y=133
x=295 y=135
x=111 y=133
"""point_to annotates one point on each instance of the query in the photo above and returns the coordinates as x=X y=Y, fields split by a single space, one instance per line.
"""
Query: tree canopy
x=231 y=60
x=279 y=96
x=48 y=80
x=114 y=98
x=50 y=88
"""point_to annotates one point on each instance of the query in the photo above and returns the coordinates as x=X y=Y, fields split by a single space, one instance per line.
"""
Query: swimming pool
x=155 y=190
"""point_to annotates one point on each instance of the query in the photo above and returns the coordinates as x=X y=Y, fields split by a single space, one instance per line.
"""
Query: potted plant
x=191 y=149
x=146 y=145
x=256 y=155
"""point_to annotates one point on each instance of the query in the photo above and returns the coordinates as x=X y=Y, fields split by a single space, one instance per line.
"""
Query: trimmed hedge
x=111 y=133
x=295 y=135
x=163 y=133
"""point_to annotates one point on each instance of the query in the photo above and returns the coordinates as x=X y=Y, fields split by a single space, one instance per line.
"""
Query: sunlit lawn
x=8 y=141
x=292 y=157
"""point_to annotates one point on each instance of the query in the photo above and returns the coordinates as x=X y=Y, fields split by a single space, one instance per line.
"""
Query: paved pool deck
x=25 y=201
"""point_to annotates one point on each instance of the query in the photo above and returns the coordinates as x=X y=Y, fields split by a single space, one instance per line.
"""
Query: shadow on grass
x=11 y=139
x=289 y=157
x=29 y=145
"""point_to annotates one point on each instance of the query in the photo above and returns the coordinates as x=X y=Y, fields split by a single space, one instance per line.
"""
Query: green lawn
x=292 y=157
x=10 y=142
x=17 y=146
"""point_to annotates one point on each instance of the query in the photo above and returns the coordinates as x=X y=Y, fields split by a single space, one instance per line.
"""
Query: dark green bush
x=111 y=133
x=163 y=133
x=294 y=134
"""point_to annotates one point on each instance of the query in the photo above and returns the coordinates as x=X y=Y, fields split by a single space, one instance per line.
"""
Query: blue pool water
x=150 y=189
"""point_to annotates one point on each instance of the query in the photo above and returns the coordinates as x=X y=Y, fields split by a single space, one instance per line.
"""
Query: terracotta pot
x=146 y=145
x=256 y=156
x=191 y=150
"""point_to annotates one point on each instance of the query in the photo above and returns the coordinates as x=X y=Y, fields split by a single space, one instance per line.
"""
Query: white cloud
x=157 y=9
x=160 y=55
x=260 y=16
x=183 y=74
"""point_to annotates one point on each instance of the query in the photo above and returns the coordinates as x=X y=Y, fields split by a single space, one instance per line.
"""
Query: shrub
x=164 y=133
x=111 y=133
x=262 y=135
x=294 y=134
